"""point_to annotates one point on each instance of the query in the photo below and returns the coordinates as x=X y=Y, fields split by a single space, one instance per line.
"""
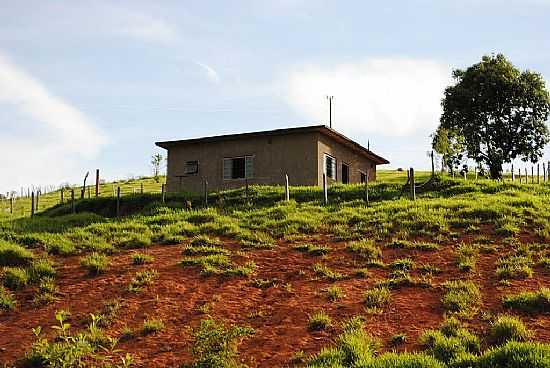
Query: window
x=238 y=167
x=330 y=166
x=363 y=178
x=345 y=173
x=191 y=167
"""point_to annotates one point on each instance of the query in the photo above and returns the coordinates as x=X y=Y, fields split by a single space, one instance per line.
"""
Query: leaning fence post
x=97 y=182
x=287 y=191
x=118 y=202
x=163 y=193
x=367 y=186
x=32 y=203
x=325 y=189
x=205 y=192
x=413 y=190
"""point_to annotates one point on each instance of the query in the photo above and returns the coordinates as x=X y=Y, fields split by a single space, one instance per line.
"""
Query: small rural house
x=304 y=154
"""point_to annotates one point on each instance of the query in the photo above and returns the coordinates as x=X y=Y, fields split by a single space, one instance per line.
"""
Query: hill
x=454 y=279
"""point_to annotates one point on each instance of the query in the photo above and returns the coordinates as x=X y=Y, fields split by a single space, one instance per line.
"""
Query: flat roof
x=323 y=129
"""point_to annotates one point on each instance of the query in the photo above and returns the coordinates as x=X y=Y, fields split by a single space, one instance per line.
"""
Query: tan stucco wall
x=275 y=156
x=355 y=161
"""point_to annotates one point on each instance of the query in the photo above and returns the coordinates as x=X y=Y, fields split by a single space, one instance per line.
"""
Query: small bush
x=95 y=263
x=140 y=258
x=14 y=255
x=508 y=328
x=319 y=321
x=151 y=326
x=531 y=302
x=377 y=297
x=15 y=278
x=7 y=302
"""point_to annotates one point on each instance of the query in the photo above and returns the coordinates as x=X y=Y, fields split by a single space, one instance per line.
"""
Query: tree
x=156 y=162
x=450 y=145
x=499 y=111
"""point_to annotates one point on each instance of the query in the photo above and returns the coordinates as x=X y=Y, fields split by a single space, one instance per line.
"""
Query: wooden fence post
x=73 y=208
x=538 y=173
x=141 y=189
x=413 y=189
x=532 y=175
x=246 y=188
x=367 y=186
x=11 y=205
x=62 y=195
x=513 y=174
x=32 y=204
x=325 y=189
x=97 y=182
x=163 y=193
x=433 y=165
x=544 y=171
x=205 y=192
x=526 y=177
x=287 y=190
x=118 y=202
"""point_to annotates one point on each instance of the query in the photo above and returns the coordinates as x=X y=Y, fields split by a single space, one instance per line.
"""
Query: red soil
x=278 y=314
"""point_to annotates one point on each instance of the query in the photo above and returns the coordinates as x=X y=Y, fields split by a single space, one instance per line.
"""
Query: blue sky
x=87 y=85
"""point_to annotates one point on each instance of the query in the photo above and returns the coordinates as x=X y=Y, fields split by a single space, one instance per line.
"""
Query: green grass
x=466 y=257
x=323 y=270
x=14 y=255
x=335 y=293
x=319 y=321
x=142 y=279
x=532 y=302
x=95 y=263
x=15 y=277
x=376 y=297
x=7 y=301
x=151 y=326
x=312 y=249
x=514 y=267
x=461 y=297
x=365 y=248
x=141 y=258
x=508 y=328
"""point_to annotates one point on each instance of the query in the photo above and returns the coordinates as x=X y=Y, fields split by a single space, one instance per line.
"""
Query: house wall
x=274 y=156
x=355 y=161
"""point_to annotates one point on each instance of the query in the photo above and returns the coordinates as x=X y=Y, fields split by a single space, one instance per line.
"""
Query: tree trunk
x=495 y=170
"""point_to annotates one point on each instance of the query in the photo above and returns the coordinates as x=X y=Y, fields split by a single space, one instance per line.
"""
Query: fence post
x=465 y=175
x=163 y=193
x=538 y=173
x=89 y=195
x=325 y=189
x=62 y=195
x=433 y=165
x=413 y=190
x=141 y=189
x=205 y=192
x=367 y=185
x=544 y=171
x=73 y=208
x=532 y=175
x=287 y=190
x=246 y=188
x=513 y=174
x=11 y=205
x=32 y=204
x=519 y=174
x=97 y=182
x=118 y=202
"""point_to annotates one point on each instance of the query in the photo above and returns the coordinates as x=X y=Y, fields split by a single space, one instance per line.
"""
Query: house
x=304 y=154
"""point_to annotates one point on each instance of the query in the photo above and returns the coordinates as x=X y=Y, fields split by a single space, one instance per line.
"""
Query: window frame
x=334 y=166
x=247 y=174
x=186 y=173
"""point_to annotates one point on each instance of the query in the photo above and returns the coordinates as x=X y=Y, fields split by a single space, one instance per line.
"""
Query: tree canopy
x=496 y=112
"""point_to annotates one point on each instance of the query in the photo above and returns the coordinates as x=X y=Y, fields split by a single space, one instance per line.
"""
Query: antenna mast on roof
x=330 y=98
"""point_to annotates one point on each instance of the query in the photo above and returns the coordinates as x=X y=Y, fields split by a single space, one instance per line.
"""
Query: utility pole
x=330 y=98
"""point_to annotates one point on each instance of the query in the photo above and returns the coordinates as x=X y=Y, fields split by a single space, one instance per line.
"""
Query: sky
x=86 y=85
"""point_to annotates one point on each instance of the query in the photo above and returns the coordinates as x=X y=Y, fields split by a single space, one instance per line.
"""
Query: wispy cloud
x=147 y=28
x=392 y=97
x=67 y=135
x=211 y=73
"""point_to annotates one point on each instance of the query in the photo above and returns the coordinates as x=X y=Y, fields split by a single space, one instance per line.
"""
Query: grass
x=463 y=297
x=319 y=321
x=376 y=297
x=15 y=277
x=335 y=293
x=7 y=301
x=366 y=249
x=142 y=279
x=312 y=249
x=514 y=267
x=14 y=255
x=508 y=328
x=323 y=270
x=466 y=257
x=95 y=263
x=151 y=326
x=141 y=259
x=531 y=302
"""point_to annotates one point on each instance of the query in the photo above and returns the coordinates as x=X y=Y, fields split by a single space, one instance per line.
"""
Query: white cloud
x=147 y=28
x=211 y=73
x=392 y=97
x=65 y=136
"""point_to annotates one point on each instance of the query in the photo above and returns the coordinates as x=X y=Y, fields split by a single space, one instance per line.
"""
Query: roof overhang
x=323 y=129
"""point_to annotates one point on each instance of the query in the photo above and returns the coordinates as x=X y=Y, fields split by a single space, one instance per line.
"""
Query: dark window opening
x=238 y=171
x=330 y=167
x=192 y=167
x=238 y=168
x=363 y=178
x=345 y=174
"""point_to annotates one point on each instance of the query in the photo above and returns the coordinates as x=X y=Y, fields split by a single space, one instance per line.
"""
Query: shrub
x=142 y=279
x=95 y=263
x=377 y=297
x=140 y=258
x=461 y=297
x=151 y=326
x=319 y=321
x=15 y=278
x=507 y=328
x=365 y=249
x=7 y=302
x=215 y=345
x=531 y=302
x=14 y=255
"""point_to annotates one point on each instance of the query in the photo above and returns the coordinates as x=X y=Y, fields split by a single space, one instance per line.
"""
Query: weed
x=151 y=326
x=365 y=249
x=466 y=257
x=141 y=258
x=312 y=249
x=377 y=297
x=142 y=279
x=404 y=264
x=335 y=293
x=95 y=263
x=398 y=339
x=41 y=268
x=319 y=321
x=514 y=267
